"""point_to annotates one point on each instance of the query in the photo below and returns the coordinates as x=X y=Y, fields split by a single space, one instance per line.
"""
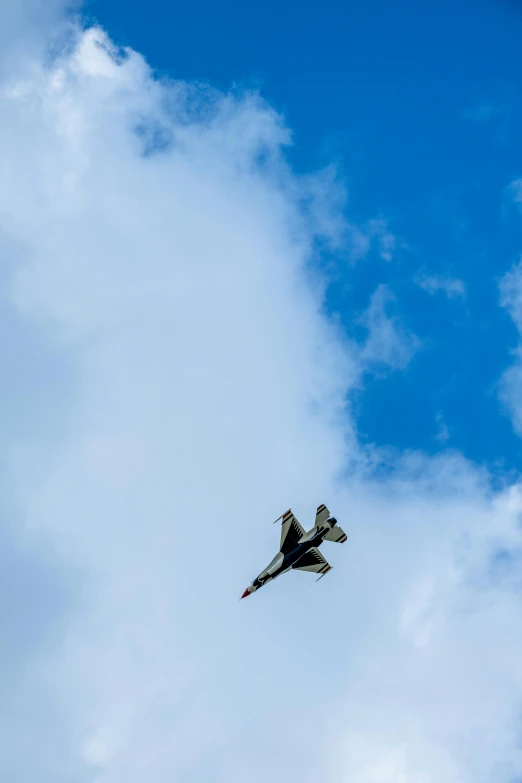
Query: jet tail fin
x=336 y=534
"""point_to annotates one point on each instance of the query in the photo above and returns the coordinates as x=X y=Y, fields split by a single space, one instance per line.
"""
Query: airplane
x=299 y=550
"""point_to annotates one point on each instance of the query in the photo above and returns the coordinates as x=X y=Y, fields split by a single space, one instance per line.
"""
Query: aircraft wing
x=291 y=532
x=313 y=561
x=336 y=534
x=321 y=515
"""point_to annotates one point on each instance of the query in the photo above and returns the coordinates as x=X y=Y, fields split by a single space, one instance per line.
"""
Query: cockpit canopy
x=332 y=521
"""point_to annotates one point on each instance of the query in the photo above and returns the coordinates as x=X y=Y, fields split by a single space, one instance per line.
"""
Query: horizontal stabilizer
x=336 y=534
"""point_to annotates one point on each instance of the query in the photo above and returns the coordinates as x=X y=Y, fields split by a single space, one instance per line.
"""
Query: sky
x=419 y=111
x=254 y=259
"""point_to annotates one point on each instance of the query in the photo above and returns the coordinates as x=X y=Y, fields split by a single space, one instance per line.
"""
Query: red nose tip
x=247 y=592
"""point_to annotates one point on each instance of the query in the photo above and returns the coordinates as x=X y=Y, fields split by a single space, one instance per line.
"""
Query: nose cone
x=247 y=592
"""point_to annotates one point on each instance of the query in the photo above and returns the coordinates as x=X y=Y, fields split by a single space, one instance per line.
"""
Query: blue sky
x=420 y=110
x=198 y=335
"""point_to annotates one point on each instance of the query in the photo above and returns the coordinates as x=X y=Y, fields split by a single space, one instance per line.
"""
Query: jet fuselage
x=283 y=563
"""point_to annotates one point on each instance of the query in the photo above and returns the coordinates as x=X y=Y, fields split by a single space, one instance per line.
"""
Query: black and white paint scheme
x=300 y=550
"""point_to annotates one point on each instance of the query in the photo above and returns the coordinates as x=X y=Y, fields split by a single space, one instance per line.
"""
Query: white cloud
x=512 y=197
x=31 y=28
x=211 y=386
x=516 y=191
x=510 y=384
x=433 y=284
x=387 y=342
x=374 y=232
x=511 y=294
x=443 y=431
x=197 y=391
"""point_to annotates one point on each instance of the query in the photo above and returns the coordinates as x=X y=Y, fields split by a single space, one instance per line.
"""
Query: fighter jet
x=299 y=550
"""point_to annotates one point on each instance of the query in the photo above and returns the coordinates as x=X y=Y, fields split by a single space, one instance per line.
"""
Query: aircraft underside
x=300 y=550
